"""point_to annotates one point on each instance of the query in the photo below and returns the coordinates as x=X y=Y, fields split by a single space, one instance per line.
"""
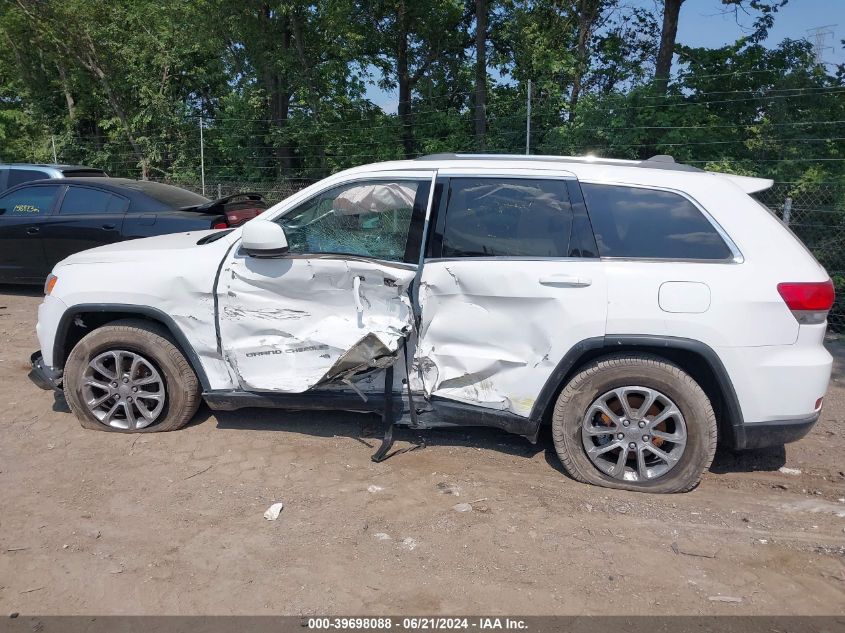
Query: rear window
x=169 y=195
x=650 y=224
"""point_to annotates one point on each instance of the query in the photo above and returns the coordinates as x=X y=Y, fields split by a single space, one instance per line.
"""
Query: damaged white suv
x=645 y=309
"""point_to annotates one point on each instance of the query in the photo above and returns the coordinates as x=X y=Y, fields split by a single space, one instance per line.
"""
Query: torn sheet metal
x=293 y=323
x=493 y=330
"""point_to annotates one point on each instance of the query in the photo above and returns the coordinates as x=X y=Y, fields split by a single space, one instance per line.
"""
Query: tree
x=410 y=38
x=588 y=13
x=668 y=35
x=280 y=86
x=124 y=73
x=480 y=73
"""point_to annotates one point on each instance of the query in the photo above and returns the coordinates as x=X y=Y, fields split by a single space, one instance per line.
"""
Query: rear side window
x=29 y=201
x=652 y=224
x=19 y=176
x=170 y=196
x=488 y=217
x=82 y=200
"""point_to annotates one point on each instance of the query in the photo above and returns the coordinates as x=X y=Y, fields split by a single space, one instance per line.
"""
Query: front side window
x=650 y=224
x=504 y=217
x=83 y=200
x=29 y=201
x=370 y=219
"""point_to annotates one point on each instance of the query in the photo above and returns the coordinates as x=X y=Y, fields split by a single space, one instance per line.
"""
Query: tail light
x=236 y=217
x=220 y=224
x=809 y=301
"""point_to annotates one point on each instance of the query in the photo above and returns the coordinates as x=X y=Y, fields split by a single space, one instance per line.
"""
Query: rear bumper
x=44 y=376
x=762 y=434
x=779 y=382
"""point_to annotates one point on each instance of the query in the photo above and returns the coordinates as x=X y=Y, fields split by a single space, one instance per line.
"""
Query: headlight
x=50 y=284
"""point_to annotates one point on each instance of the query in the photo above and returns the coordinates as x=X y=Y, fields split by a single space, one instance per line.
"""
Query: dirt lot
x=98 y=523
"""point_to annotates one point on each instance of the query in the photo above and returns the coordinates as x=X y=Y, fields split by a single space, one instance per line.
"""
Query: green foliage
x=280 y=86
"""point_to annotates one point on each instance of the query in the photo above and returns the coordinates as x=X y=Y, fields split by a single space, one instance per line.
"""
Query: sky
x=702 y=23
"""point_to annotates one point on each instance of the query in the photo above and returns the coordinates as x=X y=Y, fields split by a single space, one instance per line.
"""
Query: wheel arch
x=696 y=358
x=79 y=320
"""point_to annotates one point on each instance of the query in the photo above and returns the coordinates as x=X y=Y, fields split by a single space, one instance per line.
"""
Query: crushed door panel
x=291 y=324
x=493 y=331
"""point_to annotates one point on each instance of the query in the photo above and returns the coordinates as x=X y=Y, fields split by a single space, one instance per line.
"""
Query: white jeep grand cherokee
x=645 y=309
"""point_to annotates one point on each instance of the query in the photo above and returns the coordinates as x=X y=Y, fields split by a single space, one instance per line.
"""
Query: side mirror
x=261 y=238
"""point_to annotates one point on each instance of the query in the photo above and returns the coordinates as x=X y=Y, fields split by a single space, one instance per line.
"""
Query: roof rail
x=660 y=161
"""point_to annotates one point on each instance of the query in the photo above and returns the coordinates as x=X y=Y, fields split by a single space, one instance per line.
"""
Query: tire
x=689 y=426
x=162 y=367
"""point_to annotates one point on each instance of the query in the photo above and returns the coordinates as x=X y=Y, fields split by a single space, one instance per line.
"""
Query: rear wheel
x=129 y=377
x=635 y=422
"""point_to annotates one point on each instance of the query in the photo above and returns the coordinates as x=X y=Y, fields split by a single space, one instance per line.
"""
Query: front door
x=23 y=213
x=337 y=306
x=510 y=283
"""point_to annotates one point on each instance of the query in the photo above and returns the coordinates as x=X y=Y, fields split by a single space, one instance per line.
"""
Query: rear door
x=510 y=283
x=86 y=217
x=23 y=213
x=337 y=305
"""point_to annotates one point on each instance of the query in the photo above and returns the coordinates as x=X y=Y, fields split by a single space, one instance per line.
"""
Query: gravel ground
x=99 y=523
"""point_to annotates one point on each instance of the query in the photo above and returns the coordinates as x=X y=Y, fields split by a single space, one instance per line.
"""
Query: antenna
x=818 y=37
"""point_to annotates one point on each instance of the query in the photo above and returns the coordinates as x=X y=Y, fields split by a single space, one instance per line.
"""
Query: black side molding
x=447 y=413
x=438 y=412
x=609 y=343
x=732 y=411
x=232 y=400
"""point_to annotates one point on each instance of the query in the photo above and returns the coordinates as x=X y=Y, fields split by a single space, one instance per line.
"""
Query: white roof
x=658 y=171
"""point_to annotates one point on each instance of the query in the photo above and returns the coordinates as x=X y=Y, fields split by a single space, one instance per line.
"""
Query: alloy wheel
x=634 y=433
x=124 y=390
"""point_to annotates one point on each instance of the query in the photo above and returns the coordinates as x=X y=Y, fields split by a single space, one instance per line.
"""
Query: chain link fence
x=273 y=192
x=815 y=213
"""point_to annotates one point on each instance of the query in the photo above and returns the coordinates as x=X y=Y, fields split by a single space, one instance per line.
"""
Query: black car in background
x=44 y=221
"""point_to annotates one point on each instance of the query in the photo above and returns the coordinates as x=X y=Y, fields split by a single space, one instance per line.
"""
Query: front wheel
x=635 y=422
x=129 y=377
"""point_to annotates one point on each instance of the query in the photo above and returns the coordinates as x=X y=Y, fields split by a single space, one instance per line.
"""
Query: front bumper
x=763 y=434
x=44 y=376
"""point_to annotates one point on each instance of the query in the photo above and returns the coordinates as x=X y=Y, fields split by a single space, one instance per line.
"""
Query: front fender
x=60 y=345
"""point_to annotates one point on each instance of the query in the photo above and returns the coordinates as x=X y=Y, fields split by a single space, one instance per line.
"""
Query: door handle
x=108 y=227
x=33 y=230
x=356 y=289
x=566 y=281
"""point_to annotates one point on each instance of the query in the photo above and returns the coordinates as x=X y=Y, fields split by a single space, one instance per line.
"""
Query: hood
x=174 y=245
